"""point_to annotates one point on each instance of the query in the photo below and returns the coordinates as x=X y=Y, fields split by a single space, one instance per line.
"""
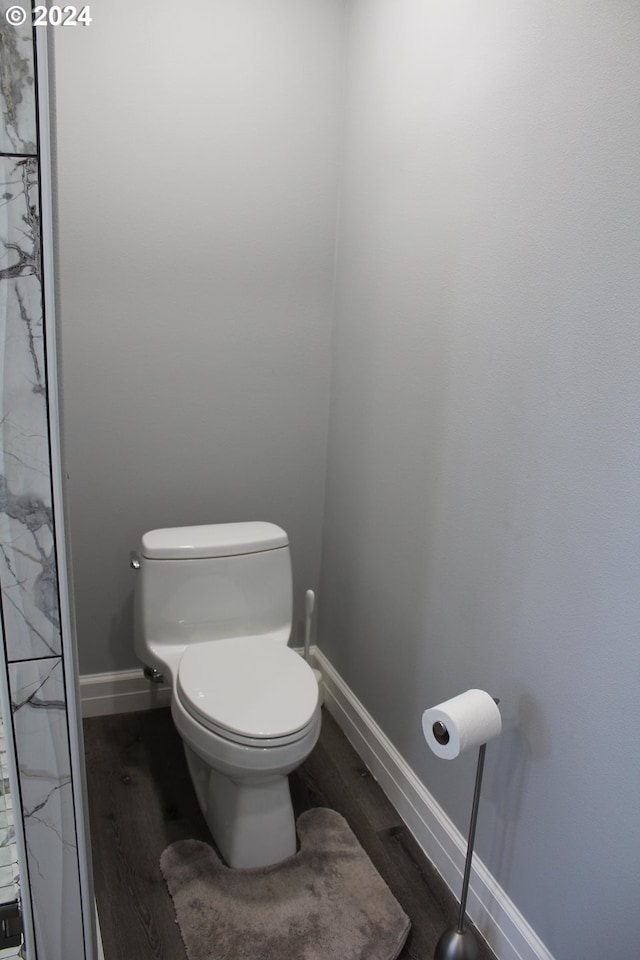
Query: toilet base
x=251 y=820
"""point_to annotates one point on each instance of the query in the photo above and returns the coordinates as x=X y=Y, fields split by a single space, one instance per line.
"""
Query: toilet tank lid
x=212 y=540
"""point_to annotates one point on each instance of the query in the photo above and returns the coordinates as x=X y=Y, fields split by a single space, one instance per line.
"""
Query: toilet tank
x=210 y=582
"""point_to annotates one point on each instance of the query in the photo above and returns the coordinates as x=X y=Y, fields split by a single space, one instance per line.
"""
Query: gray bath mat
x=327 y=902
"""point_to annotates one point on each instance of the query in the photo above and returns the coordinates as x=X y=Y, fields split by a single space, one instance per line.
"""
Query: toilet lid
x=253 y=687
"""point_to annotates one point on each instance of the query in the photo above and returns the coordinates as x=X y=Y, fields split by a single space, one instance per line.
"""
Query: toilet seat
x=251 y=690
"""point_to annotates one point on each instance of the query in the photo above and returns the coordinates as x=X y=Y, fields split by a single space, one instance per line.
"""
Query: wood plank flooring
x=141 y=800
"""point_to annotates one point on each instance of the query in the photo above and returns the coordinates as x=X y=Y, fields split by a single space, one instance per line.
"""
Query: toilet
x=213 y=612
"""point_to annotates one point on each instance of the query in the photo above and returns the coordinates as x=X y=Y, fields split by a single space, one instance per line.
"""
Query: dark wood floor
x=141 y=800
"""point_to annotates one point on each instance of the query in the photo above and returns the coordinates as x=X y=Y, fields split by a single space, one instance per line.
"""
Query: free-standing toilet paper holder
x=458 y=943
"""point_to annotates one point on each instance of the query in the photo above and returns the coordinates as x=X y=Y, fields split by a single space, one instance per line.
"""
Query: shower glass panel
x=17 y=144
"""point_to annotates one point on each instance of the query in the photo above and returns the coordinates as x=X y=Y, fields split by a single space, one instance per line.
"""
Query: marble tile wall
x=9 y=872
x=42 y=744
x=17 y=87
x=9 y=875
x=27 y=556
x=33 y=663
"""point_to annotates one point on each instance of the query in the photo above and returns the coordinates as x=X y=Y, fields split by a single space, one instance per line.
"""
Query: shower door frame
x=39 y=695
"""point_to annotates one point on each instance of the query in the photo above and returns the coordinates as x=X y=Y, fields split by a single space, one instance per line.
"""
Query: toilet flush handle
x=135 y=561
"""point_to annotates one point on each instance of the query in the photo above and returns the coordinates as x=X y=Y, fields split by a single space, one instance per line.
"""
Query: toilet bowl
x=213 y=614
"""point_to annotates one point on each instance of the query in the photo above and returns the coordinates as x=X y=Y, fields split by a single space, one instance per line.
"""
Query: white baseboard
x=497 y=918
x=494 y=914
x=120 y=692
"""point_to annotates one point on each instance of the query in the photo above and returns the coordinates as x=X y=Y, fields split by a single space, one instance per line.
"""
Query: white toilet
x=213 y=610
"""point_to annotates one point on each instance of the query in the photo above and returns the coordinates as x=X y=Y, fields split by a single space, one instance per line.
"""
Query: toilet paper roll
x=468 y=720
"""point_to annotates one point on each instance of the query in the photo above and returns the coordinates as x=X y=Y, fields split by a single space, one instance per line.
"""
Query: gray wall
x=197 y=201
x=482 y=521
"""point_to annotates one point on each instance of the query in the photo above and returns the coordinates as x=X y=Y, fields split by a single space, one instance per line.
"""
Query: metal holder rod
x=458 y=943
x=472 y=837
